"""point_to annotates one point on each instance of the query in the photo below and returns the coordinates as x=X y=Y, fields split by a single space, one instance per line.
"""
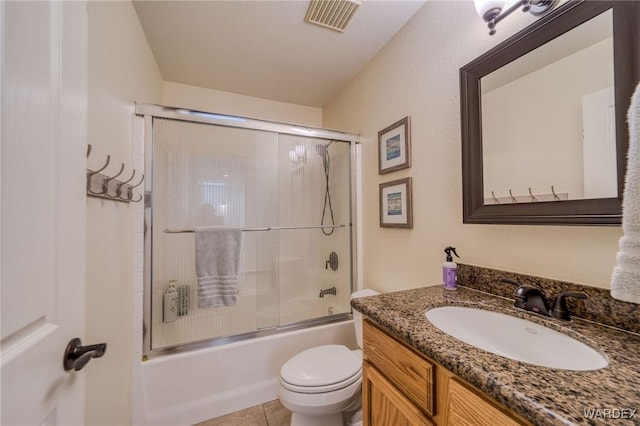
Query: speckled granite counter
x=542 y=395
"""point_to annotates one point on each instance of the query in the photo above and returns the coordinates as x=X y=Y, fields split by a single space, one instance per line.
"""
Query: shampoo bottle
x=171 y=303
x=449 y=270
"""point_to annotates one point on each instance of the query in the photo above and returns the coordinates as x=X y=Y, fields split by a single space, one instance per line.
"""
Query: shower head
x=322 y=149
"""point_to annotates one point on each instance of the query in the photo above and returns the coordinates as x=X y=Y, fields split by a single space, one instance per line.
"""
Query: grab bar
x=266 y=228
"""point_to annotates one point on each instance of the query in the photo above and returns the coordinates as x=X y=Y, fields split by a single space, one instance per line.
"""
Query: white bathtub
x=191 y=387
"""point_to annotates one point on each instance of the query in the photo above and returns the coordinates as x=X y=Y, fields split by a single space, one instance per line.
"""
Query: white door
x=43 y=143
x=599 y=144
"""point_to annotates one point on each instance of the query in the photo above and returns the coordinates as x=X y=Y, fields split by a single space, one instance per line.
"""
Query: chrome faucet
x=532 y=299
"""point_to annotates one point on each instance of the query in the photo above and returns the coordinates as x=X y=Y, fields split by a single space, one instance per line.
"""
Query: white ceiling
x=263 y=48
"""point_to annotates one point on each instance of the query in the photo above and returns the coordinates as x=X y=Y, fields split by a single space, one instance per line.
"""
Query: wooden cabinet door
x=466 y=408
x=384 y=405
x=409 y=372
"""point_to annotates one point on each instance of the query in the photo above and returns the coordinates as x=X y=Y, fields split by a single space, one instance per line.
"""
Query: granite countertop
x=542 y=395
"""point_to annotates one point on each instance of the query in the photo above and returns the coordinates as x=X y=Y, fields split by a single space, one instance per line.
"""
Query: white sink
x=516 y=338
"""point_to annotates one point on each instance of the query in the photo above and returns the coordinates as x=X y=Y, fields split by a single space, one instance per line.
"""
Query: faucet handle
x=508 y=281
x=517 y=294
x=559 y=309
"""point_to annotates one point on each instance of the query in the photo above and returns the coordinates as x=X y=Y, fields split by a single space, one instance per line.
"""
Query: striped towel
x=218 y=251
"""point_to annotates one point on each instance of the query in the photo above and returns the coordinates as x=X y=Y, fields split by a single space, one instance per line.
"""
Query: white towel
x=625 y=282
x=217 y=264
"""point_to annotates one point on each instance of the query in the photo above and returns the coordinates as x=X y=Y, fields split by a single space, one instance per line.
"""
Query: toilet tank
x=357 y=316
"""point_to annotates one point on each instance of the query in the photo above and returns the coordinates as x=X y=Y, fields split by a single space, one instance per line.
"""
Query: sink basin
x=516 y=338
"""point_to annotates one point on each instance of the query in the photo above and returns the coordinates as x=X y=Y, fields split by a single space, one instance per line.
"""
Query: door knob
x=77 y=356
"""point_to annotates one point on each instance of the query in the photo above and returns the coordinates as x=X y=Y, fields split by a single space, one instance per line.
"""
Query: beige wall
x=122 y=71
x=198 y=98
x=416 y=74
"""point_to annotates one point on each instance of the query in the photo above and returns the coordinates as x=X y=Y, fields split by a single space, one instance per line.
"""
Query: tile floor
x=269 y=414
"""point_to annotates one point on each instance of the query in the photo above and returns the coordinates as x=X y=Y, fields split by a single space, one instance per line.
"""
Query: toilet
x=321 y=384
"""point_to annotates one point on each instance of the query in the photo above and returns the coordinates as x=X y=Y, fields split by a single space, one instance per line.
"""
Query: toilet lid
x=321 y=366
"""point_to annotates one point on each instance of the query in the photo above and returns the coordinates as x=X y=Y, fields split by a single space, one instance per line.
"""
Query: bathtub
x=190 y=387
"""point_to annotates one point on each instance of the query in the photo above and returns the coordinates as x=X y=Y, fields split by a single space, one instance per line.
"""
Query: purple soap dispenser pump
x=449 y=270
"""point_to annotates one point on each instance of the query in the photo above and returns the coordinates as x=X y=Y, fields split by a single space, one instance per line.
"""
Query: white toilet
x=321 y=383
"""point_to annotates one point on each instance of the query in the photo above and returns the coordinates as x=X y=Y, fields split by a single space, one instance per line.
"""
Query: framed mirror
x=543 y=114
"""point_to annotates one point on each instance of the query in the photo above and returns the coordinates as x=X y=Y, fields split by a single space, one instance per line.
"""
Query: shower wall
x=207 y=175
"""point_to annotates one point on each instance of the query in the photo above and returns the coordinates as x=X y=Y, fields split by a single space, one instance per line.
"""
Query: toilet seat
x=322 y=369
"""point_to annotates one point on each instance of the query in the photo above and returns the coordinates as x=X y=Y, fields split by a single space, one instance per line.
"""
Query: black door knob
x=77 y=356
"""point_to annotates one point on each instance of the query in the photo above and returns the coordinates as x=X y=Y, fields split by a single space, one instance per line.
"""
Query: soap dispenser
x=171 y=303
x=450 y=270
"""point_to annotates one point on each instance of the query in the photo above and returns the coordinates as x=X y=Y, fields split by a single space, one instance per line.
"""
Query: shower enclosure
x=289 y=189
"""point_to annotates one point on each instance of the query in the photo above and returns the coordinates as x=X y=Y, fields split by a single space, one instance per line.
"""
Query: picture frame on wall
x=396 y=204
x=394 y=147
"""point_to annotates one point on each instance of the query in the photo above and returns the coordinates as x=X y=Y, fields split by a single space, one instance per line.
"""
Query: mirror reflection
x=548 y=121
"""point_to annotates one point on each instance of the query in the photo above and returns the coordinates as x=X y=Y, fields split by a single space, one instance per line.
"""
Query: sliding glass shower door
x=292 y=197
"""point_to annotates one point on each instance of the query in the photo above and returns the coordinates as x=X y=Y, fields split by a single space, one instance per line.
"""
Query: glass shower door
x=210 y=175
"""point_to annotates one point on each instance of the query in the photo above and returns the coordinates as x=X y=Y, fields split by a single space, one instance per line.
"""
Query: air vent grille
x=332 y=14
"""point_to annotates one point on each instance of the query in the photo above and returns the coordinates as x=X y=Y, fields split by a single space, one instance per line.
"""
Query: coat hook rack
x=109 y=187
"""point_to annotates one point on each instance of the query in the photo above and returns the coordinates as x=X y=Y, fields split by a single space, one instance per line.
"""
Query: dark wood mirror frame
x=603 y=211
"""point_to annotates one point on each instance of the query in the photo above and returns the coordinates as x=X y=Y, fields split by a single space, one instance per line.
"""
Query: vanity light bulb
x=489 y=9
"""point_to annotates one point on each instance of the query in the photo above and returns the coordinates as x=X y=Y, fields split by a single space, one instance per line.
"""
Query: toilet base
x=299 y=419
x=326 y=409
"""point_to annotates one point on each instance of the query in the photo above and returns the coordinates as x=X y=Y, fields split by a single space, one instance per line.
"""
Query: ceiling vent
x=332 y=14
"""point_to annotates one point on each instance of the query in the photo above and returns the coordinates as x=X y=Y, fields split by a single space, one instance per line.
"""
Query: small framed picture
x=394 y=147
x=396 y=204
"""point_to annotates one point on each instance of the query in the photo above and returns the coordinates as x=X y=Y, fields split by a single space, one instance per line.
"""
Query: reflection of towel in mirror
x=217 y=265
x=625 y=282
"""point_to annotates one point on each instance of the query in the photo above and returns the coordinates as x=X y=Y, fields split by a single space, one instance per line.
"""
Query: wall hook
x=105 y=183
x=130 y=196
x=495 y=200
x=88 y=150
x=513 y=199
x=119 y=186
x=91 y=173
x=534 y=199
x=553 y=191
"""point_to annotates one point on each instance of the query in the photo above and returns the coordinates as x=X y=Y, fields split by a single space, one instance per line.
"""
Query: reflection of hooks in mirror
x=531 y=198
x=105 y=186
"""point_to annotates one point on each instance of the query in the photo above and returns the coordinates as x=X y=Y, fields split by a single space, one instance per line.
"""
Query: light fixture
x=297 y=155
x=492 y=10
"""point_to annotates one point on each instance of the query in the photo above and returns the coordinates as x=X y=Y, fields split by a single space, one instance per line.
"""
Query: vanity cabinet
x=401 y=387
